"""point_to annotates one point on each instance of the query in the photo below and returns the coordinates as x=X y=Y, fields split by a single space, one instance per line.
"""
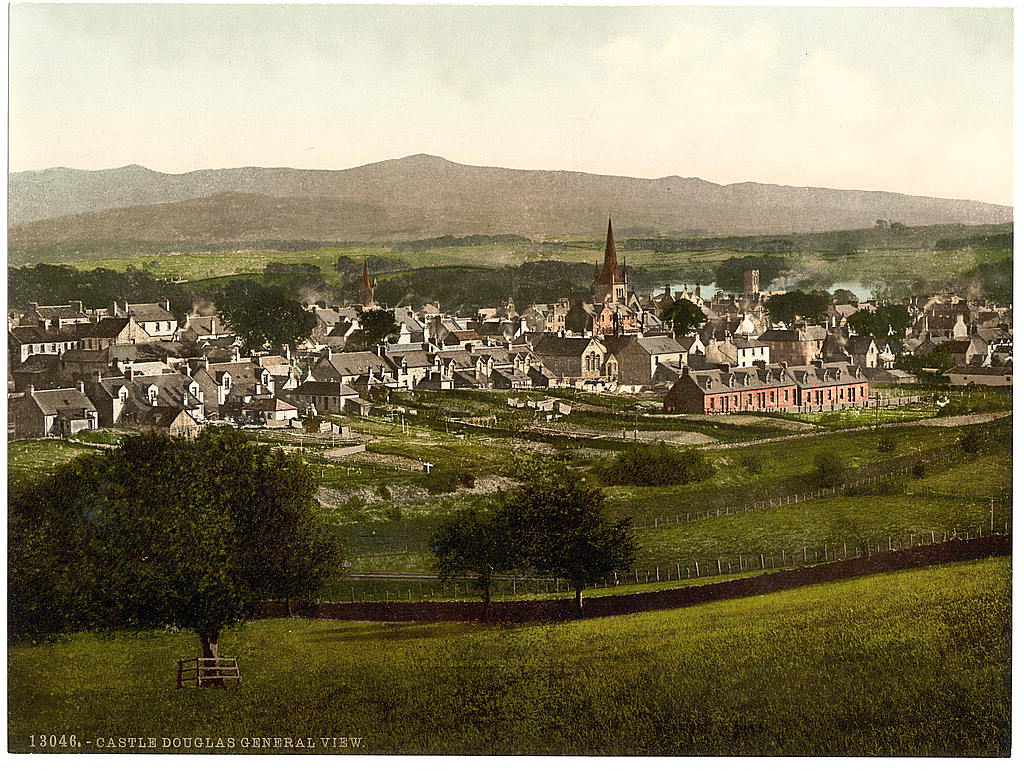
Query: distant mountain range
x=421 y=196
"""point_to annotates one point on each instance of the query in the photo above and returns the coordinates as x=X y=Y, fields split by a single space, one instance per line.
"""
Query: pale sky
x=911 y=100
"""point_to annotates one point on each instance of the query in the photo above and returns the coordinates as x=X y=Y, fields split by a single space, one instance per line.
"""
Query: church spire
x=365 y=287
x=611 y=263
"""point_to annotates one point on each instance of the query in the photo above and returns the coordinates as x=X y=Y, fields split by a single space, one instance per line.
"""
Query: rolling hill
x=422 y=196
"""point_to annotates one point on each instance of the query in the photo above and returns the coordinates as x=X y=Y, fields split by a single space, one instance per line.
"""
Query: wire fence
x=900 y=467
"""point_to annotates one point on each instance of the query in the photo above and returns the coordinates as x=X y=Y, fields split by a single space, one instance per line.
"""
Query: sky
x=913 y=100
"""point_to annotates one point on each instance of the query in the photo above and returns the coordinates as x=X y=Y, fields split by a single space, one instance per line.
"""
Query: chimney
x=684 y=370
x=724 y=366
x=33 y=306
x=77 y=305
x=127 y=370
x=81 y=386
x=166 y=304
x=29 y=389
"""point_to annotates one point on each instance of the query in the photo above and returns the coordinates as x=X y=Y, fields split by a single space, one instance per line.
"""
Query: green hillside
x=908 y=663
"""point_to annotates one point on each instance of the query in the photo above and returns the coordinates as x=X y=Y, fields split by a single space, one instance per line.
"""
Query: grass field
x=37 y=456
x=908 y=663
x=874 y=266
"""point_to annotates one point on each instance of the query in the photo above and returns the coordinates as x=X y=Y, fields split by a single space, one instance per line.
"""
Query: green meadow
x=915 y=662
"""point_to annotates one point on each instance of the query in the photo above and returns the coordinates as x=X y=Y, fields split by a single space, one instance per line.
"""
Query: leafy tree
x=844 y=297
x=377 y=325
x=830 y=469
x=264 y=317
x=559 y=528
x=166 y=531
x=655 y=464
x=879 y=322
x=928 y=367
x=684 y=316
x=788 y=307
x=475 y=542
x=56 y=284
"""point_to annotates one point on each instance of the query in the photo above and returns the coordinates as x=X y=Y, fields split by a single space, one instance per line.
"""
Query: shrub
x=384 y=492
x=830 y=469
x=752 y=463
x=441 y=480
x=886 y=444
x=392 y=513
x=971 y=442
x=918 y=470
x=655 y=464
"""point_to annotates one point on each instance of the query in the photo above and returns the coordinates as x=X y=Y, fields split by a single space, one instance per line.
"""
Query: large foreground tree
x=164 y=531
x=560 y=529
x=473 y=542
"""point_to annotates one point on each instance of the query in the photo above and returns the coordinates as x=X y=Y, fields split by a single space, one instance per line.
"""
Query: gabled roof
x=150 y=312
x=657 y=346
x=163 y=417
x=62 y=401
x=860 y=344
x=111 y=326
x=354 y=363
x=36 y=334
x=551 y=345
x=323 y=388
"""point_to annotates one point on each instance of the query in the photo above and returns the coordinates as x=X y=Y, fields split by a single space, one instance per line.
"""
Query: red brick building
x=767 y=388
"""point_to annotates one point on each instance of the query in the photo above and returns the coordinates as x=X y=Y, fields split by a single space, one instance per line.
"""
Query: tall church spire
x=365 y=287
x=610 y=275
x=610 y=283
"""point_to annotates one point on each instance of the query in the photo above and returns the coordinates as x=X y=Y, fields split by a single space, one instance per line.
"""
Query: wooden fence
x=205 y=670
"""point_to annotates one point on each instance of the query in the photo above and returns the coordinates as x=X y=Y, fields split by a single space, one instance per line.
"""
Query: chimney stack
x=81 y=386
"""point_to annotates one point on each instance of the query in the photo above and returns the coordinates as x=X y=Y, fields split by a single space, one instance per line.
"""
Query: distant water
x=863 y=291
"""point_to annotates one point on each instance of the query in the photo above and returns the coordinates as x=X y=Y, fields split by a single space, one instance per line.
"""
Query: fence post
x=933 y=536
x=657 y=573
x=762 y=562
x=719 y=566
x=696 y=566
x=805 y=554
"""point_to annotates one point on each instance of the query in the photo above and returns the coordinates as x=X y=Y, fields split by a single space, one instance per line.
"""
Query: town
x=135 y=364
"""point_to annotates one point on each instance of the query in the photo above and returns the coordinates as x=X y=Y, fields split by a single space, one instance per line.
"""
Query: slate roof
x=551 y=345
x=150 y=312
x=204 y=326
x=37 y=363
x=163 y=417
x=111 y=326
x=860 y=344
x=740 y=343
x=356 y=363
x=797 y=334
x=268 y=405
x=35 y=335
x=63 y=401
x=323 y=388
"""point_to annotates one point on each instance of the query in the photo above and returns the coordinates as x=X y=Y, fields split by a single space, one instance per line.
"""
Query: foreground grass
x=915 y=662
